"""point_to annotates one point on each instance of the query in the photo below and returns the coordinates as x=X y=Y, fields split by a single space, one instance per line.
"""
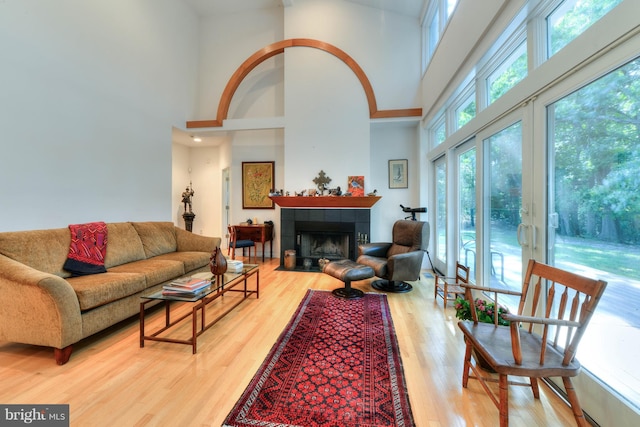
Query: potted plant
x=485 y=311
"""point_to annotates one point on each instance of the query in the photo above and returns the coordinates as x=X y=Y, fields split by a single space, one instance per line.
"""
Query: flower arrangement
x=484 y=309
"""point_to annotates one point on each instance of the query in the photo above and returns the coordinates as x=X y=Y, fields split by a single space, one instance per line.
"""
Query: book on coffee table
x=186 y=285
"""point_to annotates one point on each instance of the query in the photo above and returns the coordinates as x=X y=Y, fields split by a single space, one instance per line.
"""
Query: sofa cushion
x=154 y=270
x=191 y=260
x=188 y=241
x=99 y=289
x=44 y=250
x=157 y=237
x=124 y=244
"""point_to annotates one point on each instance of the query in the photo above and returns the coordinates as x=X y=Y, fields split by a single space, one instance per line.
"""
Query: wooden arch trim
x=277 y=48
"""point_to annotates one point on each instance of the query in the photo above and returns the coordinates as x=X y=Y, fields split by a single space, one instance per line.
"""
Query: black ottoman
x=348 y=271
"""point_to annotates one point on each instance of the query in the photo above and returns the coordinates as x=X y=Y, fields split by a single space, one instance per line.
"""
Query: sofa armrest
x=187 y=241
x=374 y=249
x=37 y=308
x=405 y=266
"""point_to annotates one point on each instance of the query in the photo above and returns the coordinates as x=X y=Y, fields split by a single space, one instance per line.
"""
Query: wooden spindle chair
x=450 y=287
x=538 y=345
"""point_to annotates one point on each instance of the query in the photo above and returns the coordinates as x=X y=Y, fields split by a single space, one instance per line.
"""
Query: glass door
x=466 y=191
x=593 y=216
x=440 y=228
x=502 y=237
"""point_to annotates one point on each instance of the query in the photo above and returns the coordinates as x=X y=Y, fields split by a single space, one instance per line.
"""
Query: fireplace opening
x=316 y=240
x=331 y=246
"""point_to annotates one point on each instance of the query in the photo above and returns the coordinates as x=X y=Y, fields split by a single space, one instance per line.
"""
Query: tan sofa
x=41 y=304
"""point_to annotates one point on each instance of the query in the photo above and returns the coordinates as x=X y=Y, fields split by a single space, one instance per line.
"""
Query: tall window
x=571 y=18
x=451 y=5
x=466 y=111
x=434 y=22
x=505 y=199
x=580 y=210
x=439 y=132
x=467 y=210
x=508 y=74
x=434 y=32
x=594 y=146
x=441 y=211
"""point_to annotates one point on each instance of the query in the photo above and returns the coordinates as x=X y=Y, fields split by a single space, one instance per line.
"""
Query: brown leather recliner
x=399 y=260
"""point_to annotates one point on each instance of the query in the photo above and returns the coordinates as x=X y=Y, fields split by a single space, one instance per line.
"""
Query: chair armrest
x=405 y=266
x=374 y=249
x=488 y=289
x=514 y=318
x=496 y=291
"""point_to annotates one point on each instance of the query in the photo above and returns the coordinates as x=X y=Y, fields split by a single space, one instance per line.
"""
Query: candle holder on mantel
x=188 y=220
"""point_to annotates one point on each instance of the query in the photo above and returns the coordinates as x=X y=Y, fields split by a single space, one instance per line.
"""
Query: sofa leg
x=62 y=355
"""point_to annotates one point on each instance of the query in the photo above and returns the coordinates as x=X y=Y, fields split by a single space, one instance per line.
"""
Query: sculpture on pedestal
x=188 y=215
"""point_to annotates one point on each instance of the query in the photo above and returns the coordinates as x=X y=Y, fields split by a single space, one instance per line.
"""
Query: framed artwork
x=356 y=185
x=398 y=173
x=258 y=178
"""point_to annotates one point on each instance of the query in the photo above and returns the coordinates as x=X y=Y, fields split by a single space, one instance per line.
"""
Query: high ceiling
x=412 y=8
x=209 y=7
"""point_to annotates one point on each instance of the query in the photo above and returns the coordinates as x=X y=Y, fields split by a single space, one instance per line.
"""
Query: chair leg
x=534 y=387
x=504 y=400
x=575 y=403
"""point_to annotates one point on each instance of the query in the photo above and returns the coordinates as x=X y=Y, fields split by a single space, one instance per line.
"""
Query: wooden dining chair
x=538 y=345
x=450 y=287
x=234 y=243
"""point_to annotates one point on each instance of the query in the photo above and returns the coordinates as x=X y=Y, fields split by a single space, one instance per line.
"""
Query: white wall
x=388 y=142
x=225 y=43
x=327 y=125
x=386 y=45
x=90 y=91
x=327 y=119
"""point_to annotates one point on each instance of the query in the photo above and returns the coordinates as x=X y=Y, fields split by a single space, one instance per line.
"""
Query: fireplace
x=331 y=240
x=323 y=233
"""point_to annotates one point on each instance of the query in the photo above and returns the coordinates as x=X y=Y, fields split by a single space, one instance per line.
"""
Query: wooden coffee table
x=230 y=283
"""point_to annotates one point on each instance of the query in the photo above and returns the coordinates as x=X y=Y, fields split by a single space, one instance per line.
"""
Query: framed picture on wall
x=258 y=178
x=398 y=173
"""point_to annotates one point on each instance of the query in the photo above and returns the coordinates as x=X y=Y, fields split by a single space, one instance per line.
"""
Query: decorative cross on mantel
x=321 y=181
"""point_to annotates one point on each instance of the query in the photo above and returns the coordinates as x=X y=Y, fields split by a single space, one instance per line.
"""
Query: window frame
x=441 y=10
x=511 y=39
x=466 y=91
x=438 y=122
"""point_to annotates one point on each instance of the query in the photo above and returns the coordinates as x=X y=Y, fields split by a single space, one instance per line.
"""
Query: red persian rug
x=336 y=363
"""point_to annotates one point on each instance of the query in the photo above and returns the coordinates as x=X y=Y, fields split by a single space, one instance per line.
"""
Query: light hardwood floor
x=111 y=381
